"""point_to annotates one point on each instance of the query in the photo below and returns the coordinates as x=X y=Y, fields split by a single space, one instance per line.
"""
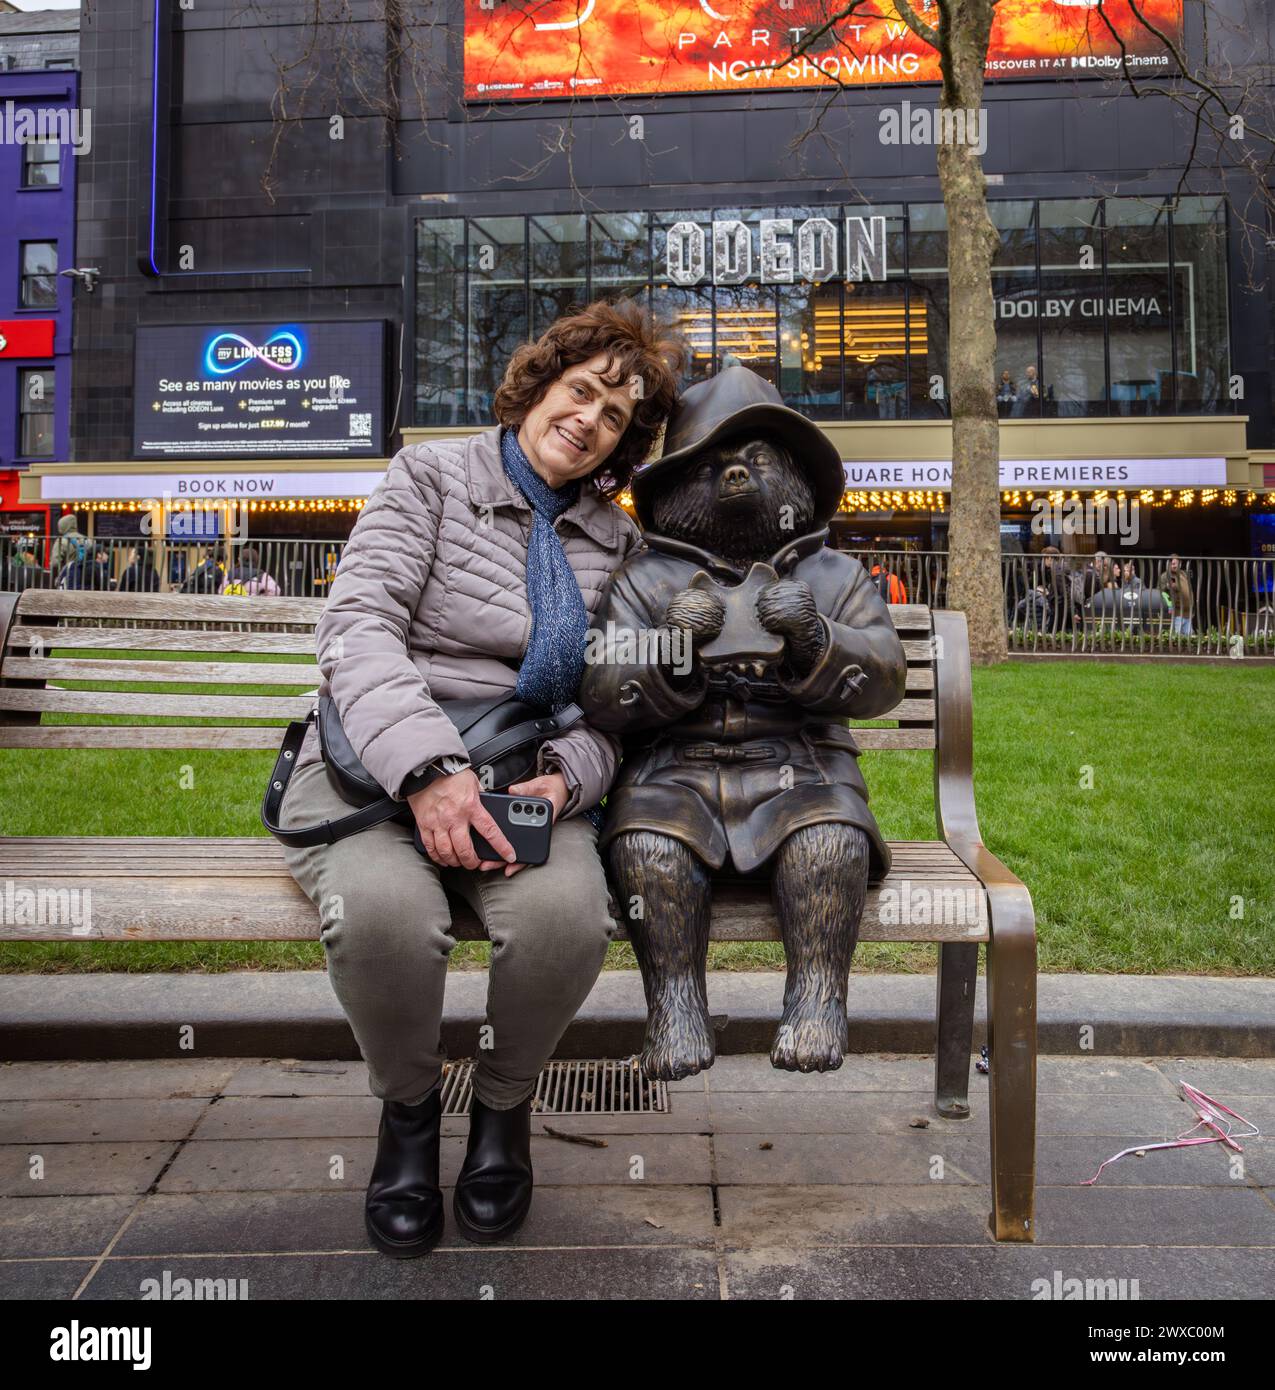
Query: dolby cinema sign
x=776 y=251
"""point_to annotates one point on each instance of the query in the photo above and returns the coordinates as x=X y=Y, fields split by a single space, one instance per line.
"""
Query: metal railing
x=1059 y=605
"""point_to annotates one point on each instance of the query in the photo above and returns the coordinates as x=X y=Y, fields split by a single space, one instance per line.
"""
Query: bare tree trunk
x=974 y=551
x=974 y=559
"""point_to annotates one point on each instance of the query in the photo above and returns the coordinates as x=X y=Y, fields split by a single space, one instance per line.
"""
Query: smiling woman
x=587 y=397
x=473 y=573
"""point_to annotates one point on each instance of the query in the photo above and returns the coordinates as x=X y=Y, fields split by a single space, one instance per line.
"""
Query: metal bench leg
x=1011 y=1029
x=958 y=972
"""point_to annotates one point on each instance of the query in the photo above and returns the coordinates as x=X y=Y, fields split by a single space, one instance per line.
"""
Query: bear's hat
x=733 y=402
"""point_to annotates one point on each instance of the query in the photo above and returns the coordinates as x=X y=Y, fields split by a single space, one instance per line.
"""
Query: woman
x=473 y=569
x=248 y=578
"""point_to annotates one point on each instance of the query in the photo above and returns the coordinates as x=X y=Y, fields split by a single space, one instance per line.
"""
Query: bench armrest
x=1008 y=899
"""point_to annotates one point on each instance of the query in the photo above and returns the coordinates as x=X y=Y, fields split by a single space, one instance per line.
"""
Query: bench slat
x=911 y=711
x=161 y=639
x=893 y=738
x=157 y=736
x=188 y=608
x=212 y=672
x=107 y=855
x=906 y=617
x=139 y=736
x=210 y=896
x=54 y=701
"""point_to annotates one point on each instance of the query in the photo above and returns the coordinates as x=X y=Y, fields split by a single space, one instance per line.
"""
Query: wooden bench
x=158 y=888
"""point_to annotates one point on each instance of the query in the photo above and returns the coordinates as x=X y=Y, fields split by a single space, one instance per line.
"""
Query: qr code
x=361 y=423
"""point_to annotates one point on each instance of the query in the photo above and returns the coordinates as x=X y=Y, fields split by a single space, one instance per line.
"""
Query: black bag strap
x=329 y=831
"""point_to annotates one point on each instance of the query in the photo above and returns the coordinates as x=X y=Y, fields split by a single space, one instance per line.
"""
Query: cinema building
x=275 y=348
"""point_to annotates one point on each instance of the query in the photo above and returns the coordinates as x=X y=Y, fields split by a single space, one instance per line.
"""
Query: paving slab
x=173 y=1079
x=1065 y=1161
x=42 y=1279
x=805 y=1215
x=1238 y=1215
x=68 y=1169
x=310 y=1222
x=320 y=1116
x=850 y=1158
x=481 y=1272
x=837 y=1112
x=63 y=1121
x=53 y=1226
x=755 y=1184
x=262 y=1165
x=991 y=1272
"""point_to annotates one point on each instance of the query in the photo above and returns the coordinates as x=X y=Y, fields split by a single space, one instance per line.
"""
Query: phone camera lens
x=517 y=808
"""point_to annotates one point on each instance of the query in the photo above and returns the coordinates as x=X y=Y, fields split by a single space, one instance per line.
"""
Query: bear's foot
x=812 y=1035
x=679 y=1036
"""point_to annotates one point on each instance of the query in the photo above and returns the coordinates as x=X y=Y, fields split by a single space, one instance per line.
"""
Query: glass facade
x=1112 y=306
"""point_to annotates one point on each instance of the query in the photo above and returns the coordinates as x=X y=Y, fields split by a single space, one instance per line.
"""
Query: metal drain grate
x=597 y=1086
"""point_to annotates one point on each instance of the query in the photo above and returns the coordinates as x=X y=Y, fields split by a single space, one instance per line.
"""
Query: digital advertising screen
x=259 y=390
x=524 y=49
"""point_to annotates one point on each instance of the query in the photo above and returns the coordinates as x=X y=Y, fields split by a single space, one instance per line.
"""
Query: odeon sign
x=814 y=250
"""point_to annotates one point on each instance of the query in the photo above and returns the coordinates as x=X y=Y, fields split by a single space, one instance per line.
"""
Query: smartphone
x=527 y=822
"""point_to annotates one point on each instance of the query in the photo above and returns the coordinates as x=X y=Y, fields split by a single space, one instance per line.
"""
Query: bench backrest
x=98 y=638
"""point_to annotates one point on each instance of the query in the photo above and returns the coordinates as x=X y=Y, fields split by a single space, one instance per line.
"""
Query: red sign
x=571 y=48
x=26 y=337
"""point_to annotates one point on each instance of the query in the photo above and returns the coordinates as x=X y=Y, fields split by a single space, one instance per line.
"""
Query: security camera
x=88 y=274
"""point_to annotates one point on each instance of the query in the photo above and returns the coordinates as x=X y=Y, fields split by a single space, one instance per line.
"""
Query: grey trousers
x=385 y=925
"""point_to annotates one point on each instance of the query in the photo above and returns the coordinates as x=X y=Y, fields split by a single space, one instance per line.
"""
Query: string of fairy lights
x=853 y=500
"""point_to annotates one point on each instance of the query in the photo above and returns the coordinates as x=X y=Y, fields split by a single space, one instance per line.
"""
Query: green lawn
x=1140 y=872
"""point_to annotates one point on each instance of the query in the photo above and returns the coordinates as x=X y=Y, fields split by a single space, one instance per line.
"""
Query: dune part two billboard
x=519 y=50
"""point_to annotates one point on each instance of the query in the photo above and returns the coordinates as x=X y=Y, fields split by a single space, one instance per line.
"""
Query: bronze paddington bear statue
x=737 y=757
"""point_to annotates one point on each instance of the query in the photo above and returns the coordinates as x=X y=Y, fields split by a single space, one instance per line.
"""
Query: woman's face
x=577 y=424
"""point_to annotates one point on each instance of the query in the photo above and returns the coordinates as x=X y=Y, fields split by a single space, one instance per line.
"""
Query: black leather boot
x=493 y=1191
x=404 y=1208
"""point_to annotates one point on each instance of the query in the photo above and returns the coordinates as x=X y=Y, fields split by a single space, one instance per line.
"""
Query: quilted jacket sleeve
x=361 y=638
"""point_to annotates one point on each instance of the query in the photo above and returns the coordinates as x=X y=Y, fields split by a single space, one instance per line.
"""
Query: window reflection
x=1101 y=307
x=928 y=295
x=559 y=268
x=1199 y=305
x=497 y=306
x=1071 y=307
x=1018 y=386
x=1140 y=346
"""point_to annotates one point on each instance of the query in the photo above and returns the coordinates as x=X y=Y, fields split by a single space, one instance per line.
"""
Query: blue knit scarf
x=550 y=672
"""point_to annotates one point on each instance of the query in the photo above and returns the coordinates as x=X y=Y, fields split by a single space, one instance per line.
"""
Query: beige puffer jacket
x=430 y=603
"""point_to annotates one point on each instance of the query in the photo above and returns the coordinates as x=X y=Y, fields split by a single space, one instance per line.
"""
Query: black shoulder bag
x=499 y=732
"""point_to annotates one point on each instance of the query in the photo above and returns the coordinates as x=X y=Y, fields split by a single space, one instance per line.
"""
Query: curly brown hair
x=638 y=345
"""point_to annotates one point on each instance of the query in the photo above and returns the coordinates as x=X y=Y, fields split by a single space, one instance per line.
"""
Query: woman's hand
x=446 y=810
x=552 y=785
